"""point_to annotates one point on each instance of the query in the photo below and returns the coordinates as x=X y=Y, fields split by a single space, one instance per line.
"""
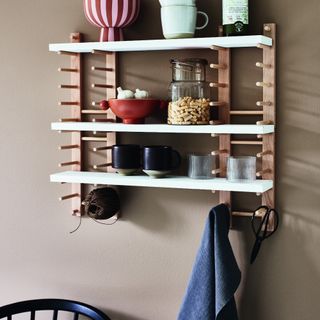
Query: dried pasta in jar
x=189 y=111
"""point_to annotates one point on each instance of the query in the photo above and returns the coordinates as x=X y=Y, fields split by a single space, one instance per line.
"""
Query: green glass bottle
x=235 y=17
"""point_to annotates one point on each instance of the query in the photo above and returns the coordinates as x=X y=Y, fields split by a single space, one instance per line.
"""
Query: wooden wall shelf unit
x=263 y=131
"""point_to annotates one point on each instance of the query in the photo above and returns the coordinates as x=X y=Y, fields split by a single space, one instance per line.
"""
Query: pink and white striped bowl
x=111 y=16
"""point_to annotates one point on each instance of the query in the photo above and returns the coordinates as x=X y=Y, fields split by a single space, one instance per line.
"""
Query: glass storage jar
x=189 y=93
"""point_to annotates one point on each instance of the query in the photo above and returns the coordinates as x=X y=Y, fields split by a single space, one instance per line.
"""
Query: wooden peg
x=103 y=120
x=259 y=136
x=76 y=212
x=213 y=191
x=68 y=103
x=264 y=84
x=215 y=122
x=218 y=152
x=264 y=153
x=214 y=135
x=95 y=103
x=217 y=85
x=94 y=111
x=93 y=68
x=246 y=113
x=263 y=66
x=95 y=139
x=75 y=37
x=97 y=149
x=218 y=66
x=217 y=103
x=249 y=214
x=100 y=52
x=264 y=103
x=267 y=28
x=68 y=86
x=69 y=120
x=242 y=213
x=216 y=171
x=246 y=142
x=264 y=123
x=258 y=194
x=217 y=48
x=70 y=146
x=71 y=163
x=70 y=196
x=68 y=53
x=103 y=165
x=261 y=173
x=67 y=70
x=262 y=46
x=260 y=213
x=100 y=85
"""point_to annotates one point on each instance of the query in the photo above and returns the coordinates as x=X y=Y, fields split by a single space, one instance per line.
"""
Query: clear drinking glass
x=241 y=168
x=200 y=166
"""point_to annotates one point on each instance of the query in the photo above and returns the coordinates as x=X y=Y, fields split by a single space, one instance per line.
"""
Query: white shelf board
x=172 y=44
x=163 y=128
x=218 y=184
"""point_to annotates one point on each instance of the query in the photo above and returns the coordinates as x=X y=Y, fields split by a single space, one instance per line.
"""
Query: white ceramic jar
x=179 y=18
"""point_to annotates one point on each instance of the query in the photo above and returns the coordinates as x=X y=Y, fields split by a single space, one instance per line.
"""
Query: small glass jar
x=189 y=93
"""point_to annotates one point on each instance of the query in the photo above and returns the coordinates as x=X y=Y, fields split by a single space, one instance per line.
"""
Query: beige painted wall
x=138 y=269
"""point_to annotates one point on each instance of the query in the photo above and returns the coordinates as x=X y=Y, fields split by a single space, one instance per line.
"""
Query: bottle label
x=235 y=12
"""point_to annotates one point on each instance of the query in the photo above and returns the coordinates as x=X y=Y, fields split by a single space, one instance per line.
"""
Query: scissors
x=261 y=231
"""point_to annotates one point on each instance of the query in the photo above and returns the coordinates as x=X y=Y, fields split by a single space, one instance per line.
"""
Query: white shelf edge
x=163 y=128
x=163 y=44
x=217 y=184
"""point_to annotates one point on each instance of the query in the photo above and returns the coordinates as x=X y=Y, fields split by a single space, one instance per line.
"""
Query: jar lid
x=191 y=61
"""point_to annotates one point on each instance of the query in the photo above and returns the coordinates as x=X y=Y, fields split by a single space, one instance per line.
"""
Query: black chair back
x=56 y=305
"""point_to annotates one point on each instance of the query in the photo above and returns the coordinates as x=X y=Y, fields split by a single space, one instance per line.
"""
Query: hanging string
x=95 y=220
x=78 y=227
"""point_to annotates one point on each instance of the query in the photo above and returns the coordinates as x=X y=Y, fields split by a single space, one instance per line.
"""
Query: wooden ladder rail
x=269 y=115
x=110 y=70
x=76 y=95
x=76 y=105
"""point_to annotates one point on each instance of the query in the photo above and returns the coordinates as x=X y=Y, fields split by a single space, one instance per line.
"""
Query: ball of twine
x=102 y=203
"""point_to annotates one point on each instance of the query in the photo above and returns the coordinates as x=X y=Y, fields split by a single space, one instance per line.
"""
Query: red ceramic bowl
x=133 y=111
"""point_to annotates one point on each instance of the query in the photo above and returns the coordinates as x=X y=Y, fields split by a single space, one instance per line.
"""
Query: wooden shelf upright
x=76 y=97
x=268 y=85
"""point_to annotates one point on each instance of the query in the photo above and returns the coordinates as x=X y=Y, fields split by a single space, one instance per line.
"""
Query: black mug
x=160 y=158
x=126 y=158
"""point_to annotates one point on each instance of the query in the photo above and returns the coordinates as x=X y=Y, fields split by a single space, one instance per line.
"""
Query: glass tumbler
x=241 y=168
x=200 y=166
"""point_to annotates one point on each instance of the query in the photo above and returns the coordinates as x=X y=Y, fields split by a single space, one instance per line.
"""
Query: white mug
x=180 y=21
x=165 y=3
